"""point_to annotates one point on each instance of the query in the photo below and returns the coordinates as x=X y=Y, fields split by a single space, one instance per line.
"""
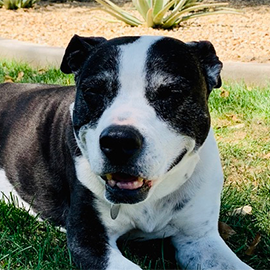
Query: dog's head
x=141 y=108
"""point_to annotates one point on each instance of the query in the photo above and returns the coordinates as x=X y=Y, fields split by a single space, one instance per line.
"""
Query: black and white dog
x=129 y=149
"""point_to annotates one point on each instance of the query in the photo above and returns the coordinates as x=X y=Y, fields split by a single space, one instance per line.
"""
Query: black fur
x=42 y=168
x=183 y=103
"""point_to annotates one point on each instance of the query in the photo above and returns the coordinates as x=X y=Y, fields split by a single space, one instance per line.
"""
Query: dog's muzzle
x=121 y=146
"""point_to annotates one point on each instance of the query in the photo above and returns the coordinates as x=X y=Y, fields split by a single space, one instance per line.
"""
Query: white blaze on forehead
x=132 y=64
x=131 y=99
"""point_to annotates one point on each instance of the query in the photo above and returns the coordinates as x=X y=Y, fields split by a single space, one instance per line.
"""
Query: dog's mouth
x=125 y=181
x=125 y=188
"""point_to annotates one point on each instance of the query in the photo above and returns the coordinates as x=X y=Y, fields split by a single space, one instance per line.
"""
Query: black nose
x=120 y=143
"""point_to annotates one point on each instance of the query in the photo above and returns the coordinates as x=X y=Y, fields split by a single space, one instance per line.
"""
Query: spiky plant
x=15 y=4
x=165 y=13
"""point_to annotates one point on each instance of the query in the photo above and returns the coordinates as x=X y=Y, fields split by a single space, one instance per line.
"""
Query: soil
x=244 y=38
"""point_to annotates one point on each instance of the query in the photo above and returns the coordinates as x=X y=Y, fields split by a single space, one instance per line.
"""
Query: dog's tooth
x=140 y=179
x=109 y=176
x=139 y=183
x=114 y=211
x=111 y=183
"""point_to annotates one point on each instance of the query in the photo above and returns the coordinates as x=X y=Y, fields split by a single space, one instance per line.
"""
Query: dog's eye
x=93 y=87
x=93 y=95
x=166 y=92
x=93 y=91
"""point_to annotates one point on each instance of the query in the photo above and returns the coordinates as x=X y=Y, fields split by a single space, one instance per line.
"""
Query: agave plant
x=15 y=4
x=165 y=13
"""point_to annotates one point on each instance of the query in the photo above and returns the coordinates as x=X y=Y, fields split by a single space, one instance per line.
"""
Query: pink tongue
x=125 y=181
x=129 y=185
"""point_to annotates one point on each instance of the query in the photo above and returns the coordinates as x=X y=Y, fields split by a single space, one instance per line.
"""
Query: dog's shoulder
x=9 y=91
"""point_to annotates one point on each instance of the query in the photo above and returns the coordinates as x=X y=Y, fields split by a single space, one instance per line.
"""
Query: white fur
x=195 y=224
x=146 y=216
x=118 y=262
x=9 y=194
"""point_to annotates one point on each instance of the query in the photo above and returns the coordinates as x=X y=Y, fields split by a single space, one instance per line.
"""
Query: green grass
x=22 y=73
x=241 y=121
x=29 y=244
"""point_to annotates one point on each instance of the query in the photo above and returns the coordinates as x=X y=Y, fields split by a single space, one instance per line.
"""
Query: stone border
x=35 y=55
x=251 y=73
x=44 y=56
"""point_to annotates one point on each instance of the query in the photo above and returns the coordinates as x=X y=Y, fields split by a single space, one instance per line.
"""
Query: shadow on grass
x=152 y=254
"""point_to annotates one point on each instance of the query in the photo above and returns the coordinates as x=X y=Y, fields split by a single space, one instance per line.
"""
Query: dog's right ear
x=77 y=51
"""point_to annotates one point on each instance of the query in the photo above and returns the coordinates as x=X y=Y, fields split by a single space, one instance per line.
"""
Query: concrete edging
x=35 y=55
x=251 y=73
x=44 y=56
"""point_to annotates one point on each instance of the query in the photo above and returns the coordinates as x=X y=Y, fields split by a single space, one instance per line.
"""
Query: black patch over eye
x=90 y=95
x=95 y=87
x=168 y=92
x=94 y=92
x=91 y=98
x=182 y=103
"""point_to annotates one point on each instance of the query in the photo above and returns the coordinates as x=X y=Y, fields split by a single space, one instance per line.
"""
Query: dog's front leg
x=88 y=240
x=118 y=262
x=206 y=253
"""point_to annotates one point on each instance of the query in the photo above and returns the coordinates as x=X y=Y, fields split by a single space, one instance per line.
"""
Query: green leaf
x=150 y=3
x=123 y=18
x=15 y=4
x=121 y=14
x=201 y=14
x=157 y=6
x=158 y=19
x=198 y=9
x=176 y=9
x=170 y=22
x=201 y=7
x=179 y=6
x=149 y=18
x=157 y=12
x=143 y=7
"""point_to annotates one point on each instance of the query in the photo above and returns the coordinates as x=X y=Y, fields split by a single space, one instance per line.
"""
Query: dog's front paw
x=209 y=253
x=118 y=262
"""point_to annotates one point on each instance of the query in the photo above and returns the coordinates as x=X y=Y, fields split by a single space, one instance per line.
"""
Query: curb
x=35 y=55
x=253 y=74
x=43 y=56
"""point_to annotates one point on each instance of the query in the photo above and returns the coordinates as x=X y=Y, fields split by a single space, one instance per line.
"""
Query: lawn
x=241 y=121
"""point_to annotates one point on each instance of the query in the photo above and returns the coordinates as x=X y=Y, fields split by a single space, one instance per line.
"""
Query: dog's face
x=140 y=109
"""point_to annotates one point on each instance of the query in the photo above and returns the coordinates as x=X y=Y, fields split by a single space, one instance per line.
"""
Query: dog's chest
x=148 y=220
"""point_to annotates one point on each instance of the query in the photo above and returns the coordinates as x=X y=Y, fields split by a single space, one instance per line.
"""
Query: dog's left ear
x=77 y=52
x=210 y=63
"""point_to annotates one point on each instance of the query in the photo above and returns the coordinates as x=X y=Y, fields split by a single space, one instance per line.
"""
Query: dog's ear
x=77 y=51
x=210 y=63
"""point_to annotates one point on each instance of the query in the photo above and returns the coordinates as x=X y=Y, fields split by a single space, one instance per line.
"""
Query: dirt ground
x=243 y=38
